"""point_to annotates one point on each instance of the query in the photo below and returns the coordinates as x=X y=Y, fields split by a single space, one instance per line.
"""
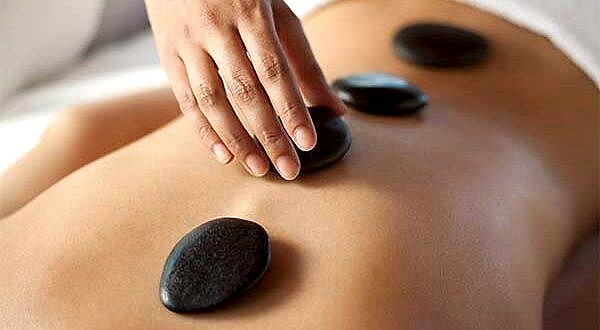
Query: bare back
x=455 y=218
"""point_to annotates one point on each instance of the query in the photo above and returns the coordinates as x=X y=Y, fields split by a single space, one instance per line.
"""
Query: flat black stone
x=214 y=263
x=380 y=93
x=440 y=45
x=333 y=141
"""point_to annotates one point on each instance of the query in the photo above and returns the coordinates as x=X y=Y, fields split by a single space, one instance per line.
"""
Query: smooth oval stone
x=380 y=93
x=333 y=140
x=440 y=45
x=214 y=263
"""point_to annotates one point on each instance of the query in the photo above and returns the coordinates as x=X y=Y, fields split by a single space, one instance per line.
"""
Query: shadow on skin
x=281 y=282
x=358 y=161
x=340 y=170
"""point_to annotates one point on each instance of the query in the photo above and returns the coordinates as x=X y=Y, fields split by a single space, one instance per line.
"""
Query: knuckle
x=206 y=94
x=186 y=100
x=205 y=132
x=270 y=66
x=272 y=138
x=187 y=32
x=236 y=142
x=210 y=17
x=246 y=7
x=289 y=112
x=243 y=87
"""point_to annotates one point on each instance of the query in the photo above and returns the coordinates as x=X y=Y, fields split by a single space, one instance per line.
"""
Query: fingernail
x=257 y=165
x=304 y=138
x=223 y=155
x=287 y=167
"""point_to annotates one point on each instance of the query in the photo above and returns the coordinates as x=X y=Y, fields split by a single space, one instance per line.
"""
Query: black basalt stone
x=440 y=45
x=214 y=263
x=380 y=93
x=333 y=140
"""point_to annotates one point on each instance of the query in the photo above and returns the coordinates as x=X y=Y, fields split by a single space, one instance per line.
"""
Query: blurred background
x=55 y=53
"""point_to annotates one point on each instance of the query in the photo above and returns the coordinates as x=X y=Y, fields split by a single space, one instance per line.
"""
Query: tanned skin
x=460 y=217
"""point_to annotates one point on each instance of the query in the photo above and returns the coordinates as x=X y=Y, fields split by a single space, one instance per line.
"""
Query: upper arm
x=80 y=135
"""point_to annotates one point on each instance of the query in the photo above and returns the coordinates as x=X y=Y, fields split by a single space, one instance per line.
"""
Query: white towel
x=572 y=25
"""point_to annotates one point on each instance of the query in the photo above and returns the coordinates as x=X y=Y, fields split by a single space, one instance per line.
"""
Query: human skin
x=457 y=218
x=250 y=56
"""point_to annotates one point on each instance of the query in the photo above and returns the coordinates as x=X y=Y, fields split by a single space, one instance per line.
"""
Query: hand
x=229 y=60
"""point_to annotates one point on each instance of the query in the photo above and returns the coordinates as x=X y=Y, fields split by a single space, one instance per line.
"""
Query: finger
x=250 y=99
x=311 y=79
x=271 y=67
x=187 y=103
x=211 y=98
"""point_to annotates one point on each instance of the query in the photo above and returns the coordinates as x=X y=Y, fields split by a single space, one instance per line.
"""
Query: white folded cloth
x=573 y=26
